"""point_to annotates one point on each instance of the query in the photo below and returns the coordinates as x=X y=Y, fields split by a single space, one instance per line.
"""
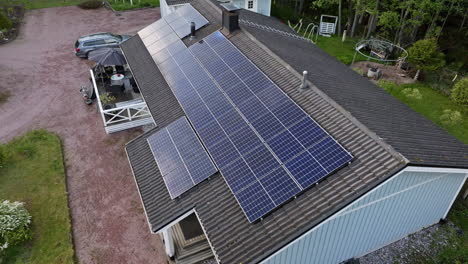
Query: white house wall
x=402 y=205
x=263 y=6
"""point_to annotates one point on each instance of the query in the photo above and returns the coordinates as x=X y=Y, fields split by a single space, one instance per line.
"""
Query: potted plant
x=107 y=101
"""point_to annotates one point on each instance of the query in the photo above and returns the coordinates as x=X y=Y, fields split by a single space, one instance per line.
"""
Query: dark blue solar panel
x=224 y=153
x=285 y=146
x=239 y=93
x=267 y=148
x=227 y=80
x=211 y=133
x=231 y=121
x=181 y=158
x=305 y=169
x=330 y=154
x=245 y=140
x=238 y=175
x=261 y=161
x=245 y=68
x=267 y=126
x=280 y=186
x=289 y=113
x=307 y=132
x=254 y=201
x=252 y=109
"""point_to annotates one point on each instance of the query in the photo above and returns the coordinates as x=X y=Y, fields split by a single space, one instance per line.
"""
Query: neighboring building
x=405 y=173
x=260 y=6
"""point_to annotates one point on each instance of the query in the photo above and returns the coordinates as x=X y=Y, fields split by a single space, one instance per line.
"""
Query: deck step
x=199 y=257
x=193 y=249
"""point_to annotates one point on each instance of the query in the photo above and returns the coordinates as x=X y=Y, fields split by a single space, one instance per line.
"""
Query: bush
x=91 y=4
x=451 y=117
x=14 y=224
x=412 y=93
x=460 y=91
x=5 y=22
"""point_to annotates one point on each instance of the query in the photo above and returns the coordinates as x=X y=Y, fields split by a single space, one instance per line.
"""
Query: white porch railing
x=125 y=113
x=129 y=114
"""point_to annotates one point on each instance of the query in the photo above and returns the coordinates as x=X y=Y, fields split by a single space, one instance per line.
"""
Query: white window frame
x=254 y=5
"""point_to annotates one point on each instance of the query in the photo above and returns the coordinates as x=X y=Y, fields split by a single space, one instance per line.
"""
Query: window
x=111 y=41
x=95 y=43
x=250 y=4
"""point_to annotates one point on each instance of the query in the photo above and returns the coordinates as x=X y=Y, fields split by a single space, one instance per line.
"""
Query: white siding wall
x=263 y=6
x=406 y=203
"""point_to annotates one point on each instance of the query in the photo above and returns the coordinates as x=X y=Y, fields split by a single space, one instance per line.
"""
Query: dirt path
x=43 y=76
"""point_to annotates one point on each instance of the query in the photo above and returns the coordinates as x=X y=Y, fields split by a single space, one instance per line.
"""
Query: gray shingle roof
x=234 y=239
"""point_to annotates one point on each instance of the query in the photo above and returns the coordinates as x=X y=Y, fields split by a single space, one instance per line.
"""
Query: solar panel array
x=171 y=28
x=266 y=147
x=180 y=156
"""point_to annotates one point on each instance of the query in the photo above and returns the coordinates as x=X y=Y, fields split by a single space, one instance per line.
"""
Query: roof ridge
x=270 y=29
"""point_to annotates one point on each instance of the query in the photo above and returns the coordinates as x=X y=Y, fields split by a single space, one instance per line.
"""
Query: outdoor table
x=117 y=79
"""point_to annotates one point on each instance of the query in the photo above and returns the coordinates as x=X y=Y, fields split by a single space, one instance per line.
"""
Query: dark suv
x=91 y=42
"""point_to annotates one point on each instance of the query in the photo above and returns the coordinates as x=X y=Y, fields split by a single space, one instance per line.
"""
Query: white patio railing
x=126 y=115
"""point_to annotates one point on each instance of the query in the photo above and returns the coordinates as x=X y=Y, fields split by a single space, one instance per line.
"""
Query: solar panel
x=181 y=158
x=170 y=30
x=266 y=147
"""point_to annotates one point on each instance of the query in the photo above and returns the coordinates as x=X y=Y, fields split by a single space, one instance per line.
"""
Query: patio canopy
x=107 y=56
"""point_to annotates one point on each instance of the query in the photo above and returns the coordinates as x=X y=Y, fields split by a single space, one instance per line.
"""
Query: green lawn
x=120 y=5
x=432 y=106
x=35 y=4
x=35 y=175
x=343 y=51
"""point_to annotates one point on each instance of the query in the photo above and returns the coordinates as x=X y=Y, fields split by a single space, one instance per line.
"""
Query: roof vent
x=304 y=84
x=230 y=17
x=192 y=31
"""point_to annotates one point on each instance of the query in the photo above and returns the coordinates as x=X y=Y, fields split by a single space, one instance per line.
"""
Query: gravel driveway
x=44 y=76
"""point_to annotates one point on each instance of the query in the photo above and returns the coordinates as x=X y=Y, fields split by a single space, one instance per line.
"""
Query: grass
x=343 y=51
x=432 y=106
x=35 y=174
x=36 y=4
x=121 y=5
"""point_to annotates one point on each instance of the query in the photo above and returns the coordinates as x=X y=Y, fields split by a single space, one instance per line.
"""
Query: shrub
x=91 y=4
x=5 y=22
x=460 y=91
x=451 y=117
x=14 y=224
x=425 y=55
x=412 y=93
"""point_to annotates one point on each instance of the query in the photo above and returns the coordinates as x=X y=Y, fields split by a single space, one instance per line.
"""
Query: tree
x=388 y=22
x=460 y=91
x=424 y=54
